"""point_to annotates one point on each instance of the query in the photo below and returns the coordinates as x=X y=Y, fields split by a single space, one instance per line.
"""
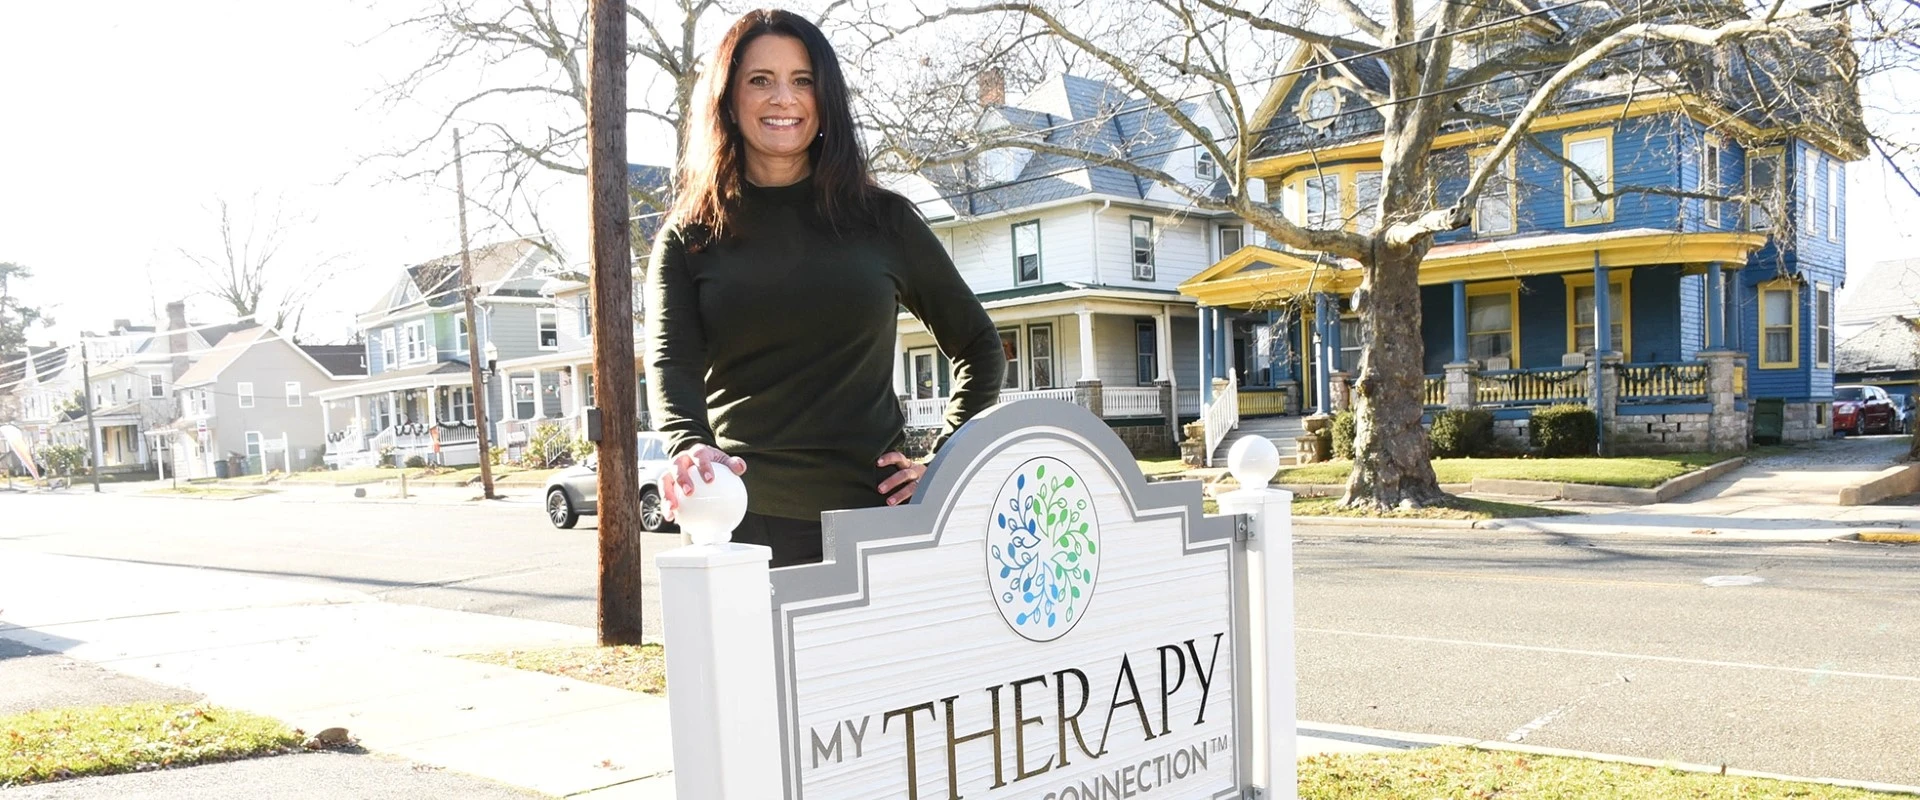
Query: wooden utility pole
x=612 y=287
x=93 y=433
x=473 y=327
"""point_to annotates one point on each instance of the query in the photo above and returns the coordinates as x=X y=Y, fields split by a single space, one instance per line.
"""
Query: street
x=1795 y=658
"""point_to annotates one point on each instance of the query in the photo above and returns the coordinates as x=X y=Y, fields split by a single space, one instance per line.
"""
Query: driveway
x=1795 y=492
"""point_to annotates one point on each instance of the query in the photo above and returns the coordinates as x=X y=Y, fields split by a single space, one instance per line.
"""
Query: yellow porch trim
x=1228 y=283
x=1695 y=106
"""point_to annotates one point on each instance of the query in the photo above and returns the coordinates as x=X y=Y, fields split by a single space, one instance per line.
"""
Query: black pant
x=794 y=541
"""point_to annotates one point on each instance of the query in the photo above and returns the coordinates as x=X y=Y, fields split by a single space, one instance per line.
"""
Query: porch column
x=393 y=409
x=1321 y=379
x=1163 y=344
x=433 y=405
x=1089 y=369
x=1716 y=315
x=326 y=417
x=539 y=396
x=1460 y=322
x=1602 y=347
x=1206 y=355
x=899 y=365
x=1223 y=344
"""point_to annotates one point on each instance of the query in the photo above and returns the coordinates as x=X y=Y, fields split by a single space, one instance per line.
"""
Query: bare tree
x=16 y=317
x=251 y=270
x=1793 y=69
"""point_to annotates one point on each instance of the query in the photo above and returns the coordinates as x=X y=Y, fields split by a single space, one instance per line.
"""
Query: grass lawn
x=1457 y=773
x=1463 y=508
x=1644 y=472
x=205 y=491
x=61 y=743
x=501 y=472
x=1162 y=466
x=635 y=668
x=352 y=476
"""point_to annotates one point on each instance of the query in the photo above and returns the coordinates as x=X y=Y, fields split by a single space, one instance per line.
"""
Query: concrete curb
x=1619 y=495
x=1408 y=741
x=203 y=498
x=1888 y=537
x=1893 y=481
x=1386 y=522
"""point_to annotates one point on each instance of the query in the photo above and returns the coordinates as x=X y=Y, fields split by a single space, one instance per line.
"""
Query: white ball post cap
x=1253 y=461
x=715 y=508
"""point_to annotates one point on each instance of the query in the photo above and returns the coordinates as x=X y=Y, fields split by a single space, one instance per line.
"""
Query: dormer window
x=1204 y=167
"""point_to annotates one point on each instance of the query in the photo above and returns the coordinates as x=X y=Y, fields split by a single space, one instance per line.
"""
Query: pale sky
x=124 y=119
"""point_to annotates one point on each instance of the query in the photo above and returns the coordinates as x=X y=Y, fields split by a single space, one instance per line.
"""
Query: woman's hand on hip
x=701 y=458
x=899 y=486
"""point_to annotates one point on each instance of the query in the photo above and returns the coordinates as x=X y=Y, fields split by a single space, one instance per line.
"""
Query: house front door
x=924 y=379
x=525 y=402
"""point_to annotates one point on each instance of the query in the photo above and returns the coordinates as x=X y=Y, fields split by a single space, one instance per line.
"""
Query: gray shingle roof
x=1083 y=114
x=1890 y=345
x=339 y=359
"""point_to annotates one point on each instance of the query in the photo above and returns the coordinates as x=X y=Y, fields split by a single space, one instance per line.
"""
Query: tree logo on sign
x=1043 y=549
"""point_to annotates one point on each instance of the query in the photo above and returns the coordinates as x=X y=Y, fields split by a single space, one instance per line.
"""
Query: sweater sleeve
x=676 y=351
x=935 y=293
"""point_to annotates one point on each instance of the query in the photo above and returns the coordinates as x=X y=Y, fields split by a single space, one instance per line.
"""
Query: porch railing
x=347 y=440
x=1663 y=381
x=1533 y=386
x=926 y=412
x=1434 y=391
x=1256 y=403
x=1037 y=394
x=1740 y=380
x=1131 y=401
x=1188 y=401
x=1223 y=415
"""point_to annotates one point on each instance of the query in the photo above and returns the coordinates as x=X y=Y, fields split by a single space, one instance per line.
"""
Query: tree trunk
x=1390 y=465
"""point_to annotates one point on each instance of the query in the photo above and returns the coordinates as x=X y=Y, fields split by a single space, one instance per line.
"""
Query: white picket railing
x=1188 y=401
x=348 y=440
x=1038 y=394
x=926 y=412
x=1130 y=401
x=1223 y=415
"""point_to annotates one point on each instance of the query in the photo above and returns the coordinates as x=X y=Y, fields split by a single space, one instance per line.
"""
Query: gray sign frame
x=851 y=537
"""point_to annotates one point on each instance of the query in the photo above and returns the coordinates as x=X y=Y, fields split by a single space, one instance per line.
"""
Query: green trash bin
x=1769 y=418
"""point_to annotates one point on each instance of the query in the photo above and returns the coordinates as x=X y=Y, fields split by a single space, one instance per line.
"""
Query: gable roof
x=224 y=353
x=339 y=360
x=499 y=268
x=1068 y=111
x=1890 y=345
x=48 y=362
x=1879 y=290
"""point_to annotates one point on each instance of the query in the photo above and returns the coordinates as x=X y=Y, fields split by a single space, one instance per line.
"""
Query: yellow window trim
x=1818 y=353
x=1293 y=204
x=1576 y=281
x=1792 y=288
x=1511 y=289
x=1568 y=179
x=1513 y=193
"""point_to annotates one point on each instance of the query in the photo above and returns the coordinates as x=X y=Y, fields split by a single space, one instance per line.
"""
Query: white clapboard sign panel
x=1040 y=623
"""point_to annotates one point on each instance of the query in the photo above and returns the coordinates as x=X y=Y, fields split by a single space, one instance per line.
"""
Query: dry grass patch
x=61 y=743
x=1459 y=773
x=1460 y=508
x=635 y=668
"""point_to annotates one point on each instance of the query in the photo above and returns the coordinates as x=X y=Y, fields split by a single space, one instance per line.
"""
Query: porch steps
x=1280 y=430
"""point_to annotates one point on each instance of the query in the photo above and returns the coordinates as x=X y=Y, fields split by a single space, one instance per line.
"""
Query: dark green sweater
x=776 y=345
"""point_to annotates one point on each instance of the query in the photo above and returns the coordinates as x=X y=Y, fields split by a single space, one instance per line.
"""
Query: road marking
x=1528 y=729
x=1610 y=654
x=1526 y=578
x=1724 y=581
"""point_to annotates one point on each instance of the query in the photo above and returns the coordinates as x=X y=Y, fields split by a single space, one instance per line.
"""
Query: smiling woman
x=774 y=296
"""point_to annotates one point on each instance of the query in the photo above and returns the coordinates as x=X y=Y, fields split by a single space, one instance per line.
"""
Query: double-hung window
x=1582 y=336
x=389 y=354
x=1763 y=189
x=415 y=339
x=293 y=394
x=156 y=386
x=1491 y=328
x=1026 y=252
x=1010 y=348
x=1710 y=180
x=1040 y=356
x=1232 y=238
x=1836 y=181
x=1142 y=248
x=1366 y=200
x=1823 y=325
x=1353 y=342
x=1323 y=202
x=244 y=390
x=1779 y=325
x=1494 y=211
x=460 y=340
x=549 y=320
x=1146 y=353
x=1592 y=152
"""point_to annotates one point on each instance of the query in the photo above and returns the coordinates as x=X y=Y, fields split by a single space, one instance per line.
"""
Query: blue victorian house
x=1720 y=254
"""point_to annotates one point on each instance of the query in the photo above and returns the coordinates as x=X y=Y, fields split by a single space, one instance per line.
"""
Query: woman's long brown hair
x=712 y=170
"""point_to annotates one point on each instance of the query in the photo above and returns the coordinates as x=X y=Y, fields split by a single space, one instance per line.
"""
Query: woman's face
x=773 y=98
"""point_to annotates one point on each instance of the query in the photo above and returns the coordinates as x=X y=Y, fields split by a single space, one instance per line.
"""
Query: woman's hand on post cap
x=678 y=482
x=899 y=486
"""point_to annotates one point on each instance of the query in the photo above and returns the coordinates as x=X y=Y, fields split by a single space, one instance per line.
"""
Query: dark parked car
x=1858 y=410
x=573 y=492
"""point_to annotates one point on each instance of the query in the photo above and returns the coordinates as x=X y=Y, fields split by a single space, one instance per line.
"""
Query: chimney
x=177 y=342
x=993 y=87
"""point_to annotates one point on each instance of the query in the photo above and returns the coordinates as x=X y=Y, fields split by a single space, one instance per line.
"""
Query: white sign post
x=1039 y=623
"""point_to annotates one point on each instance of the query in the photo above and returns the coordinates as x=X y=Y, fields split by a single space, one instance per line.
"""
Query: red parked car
x=1858 y=410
